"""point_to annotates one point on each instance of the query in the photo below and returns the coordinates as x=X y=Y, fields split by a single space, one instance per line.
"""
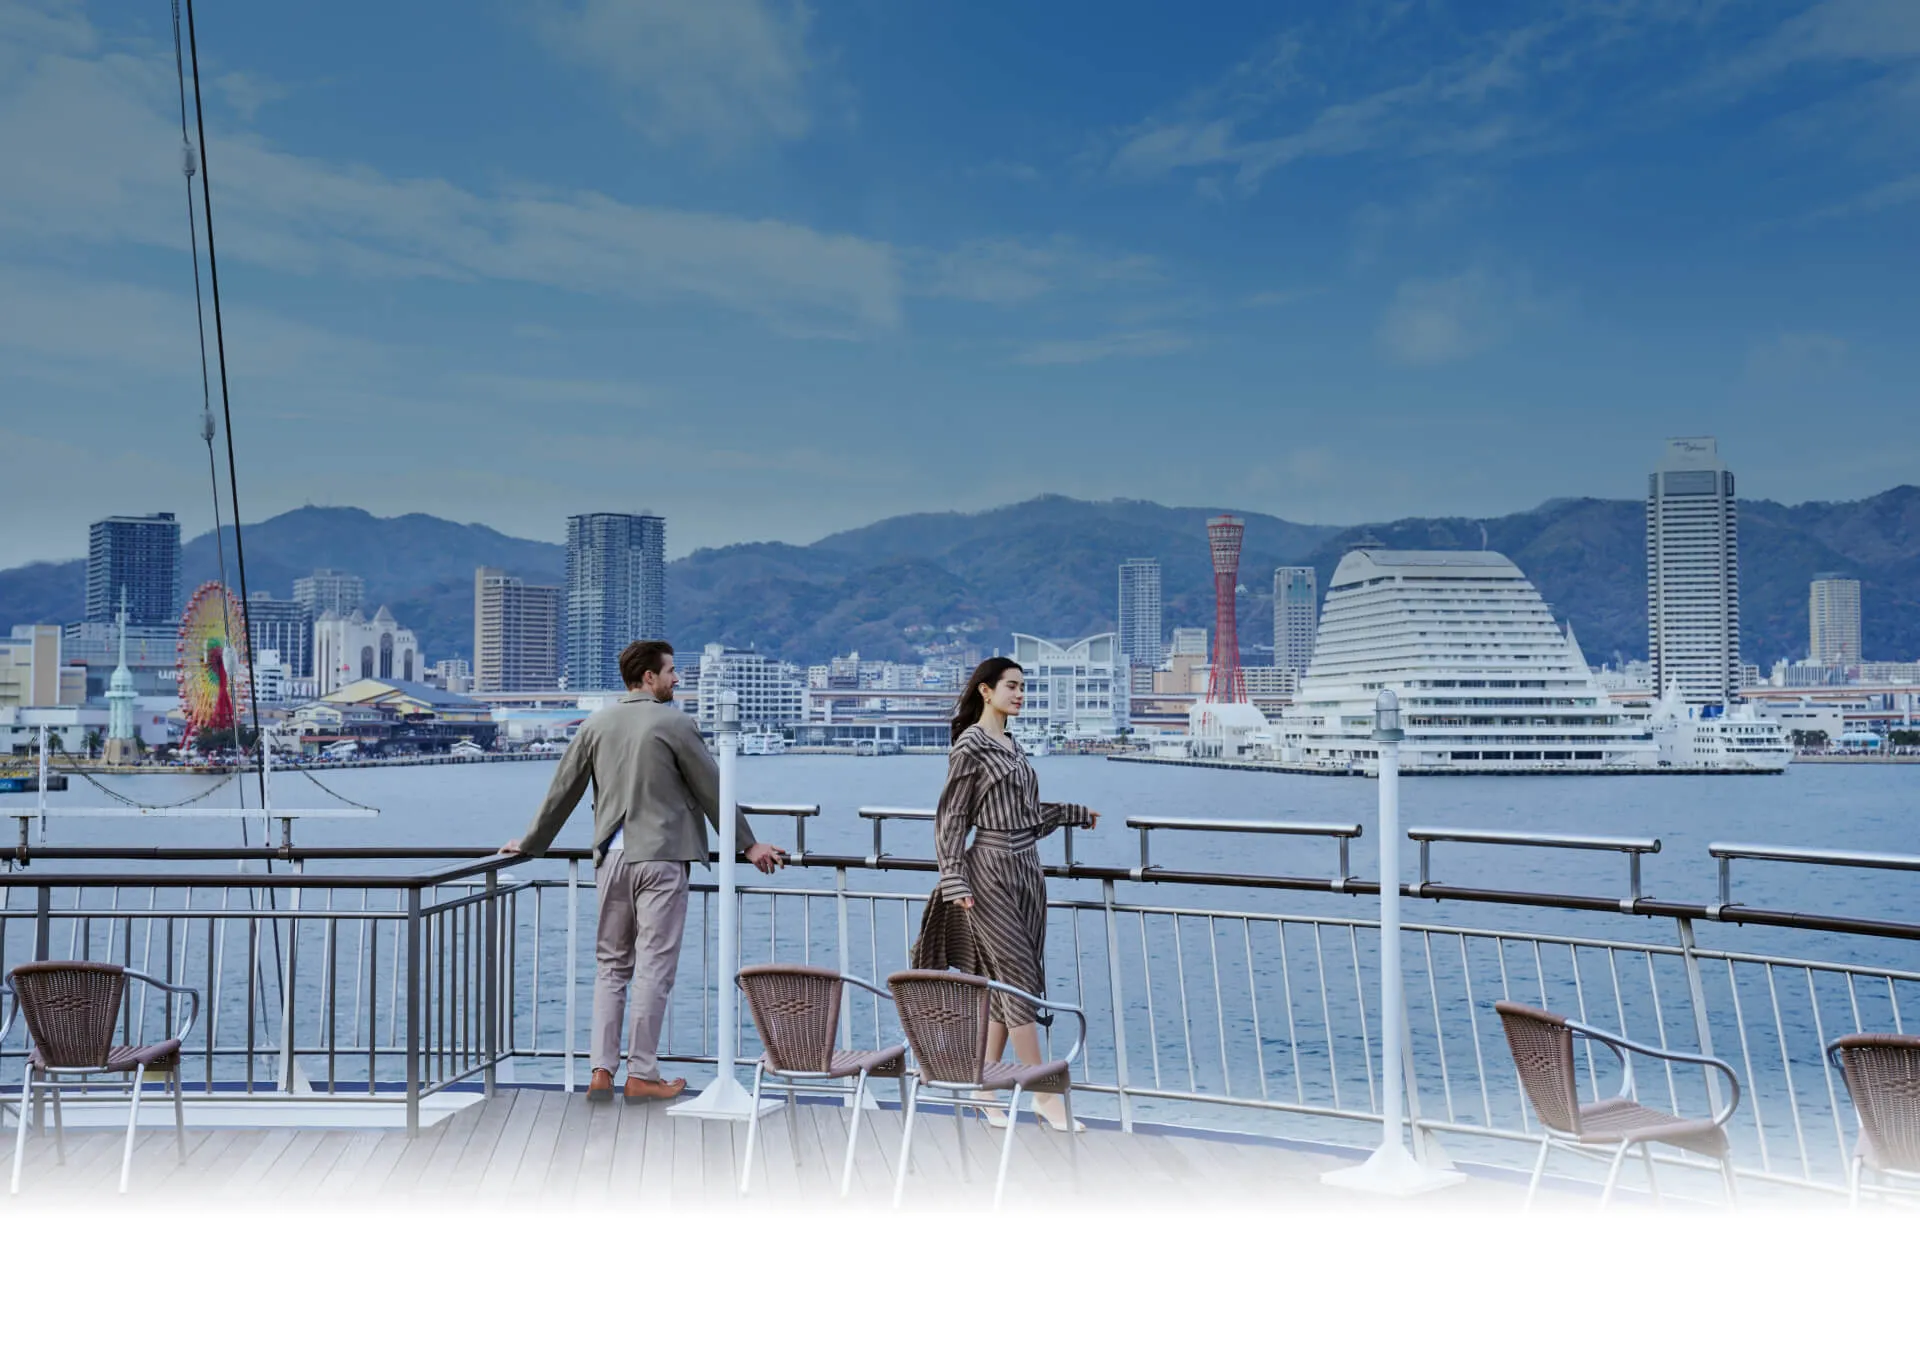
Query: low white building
x=357 y=647
x=773 y=695
x=1077 y=690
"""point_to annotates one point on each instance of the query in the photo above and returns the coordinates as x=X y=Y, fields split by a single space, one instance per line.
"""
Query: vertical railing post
x=1118 y=1005
x=1697 y=994
x=573 y=965
x=289 y=976
x=490 y=985
x=43 y=922
x=846 y=941
x=413 y=1012
x=1391 y=1169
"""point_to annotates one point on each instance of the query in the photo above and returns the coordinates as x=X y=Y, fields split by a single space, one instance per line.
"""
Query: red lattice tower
x=1227 y=683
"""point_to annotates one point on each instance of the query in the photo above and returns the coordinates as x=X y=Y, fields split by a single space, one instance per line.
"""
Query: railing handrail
x=1500 y=838
x=1290 y=827
x=1811 y=856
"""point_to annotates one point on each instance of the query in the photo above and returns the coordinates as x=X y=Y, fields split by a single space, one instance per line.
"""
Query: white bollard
x=724 y=1097
x=1391 y=1169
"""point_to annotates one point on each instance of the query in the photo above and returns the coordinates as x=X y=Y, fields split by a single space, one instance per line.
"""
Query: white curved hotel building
x=1486 y=679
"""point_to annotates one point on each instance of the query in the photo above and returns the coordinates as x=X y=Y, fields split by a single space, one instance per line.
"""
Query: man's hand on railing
x=512 y=848
x=766 y=858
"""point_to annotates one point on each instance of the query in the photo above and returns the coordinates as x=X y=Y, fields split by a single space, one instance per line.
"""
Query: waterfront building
x=34 y=671
x=516 y=633
x=138 y=556
x=616 y=593
x=1487 y=680
x=282 y=625
x=122 y=746
x=1075 y=690
x=772 y=695
x=392 y=716
x=1140 y=618
x=1296 y=617
x=453 y=674
x=327 y=590
x=1269 y=687
x=354 y=647
x=272 y=678
x=1188 y=641
x=1833 y=620
x=1693 y=574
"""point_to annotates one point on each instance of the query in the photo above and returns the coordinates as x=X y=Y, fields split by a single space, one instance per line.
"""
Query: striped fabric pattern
x=992 y=792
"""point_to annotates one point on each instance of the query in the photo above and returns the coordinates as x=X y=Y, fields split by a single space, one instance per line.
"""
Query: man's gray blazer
x=651 y=775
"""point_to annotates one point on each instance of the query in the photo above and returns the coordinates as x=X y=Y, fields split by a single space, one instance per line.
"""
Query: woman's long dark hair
x=972 y=705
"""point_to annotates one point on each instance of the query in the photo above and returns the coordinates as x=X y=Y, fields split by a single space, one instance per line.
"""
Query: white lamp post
x=725 y=1097
x=1391 y=1169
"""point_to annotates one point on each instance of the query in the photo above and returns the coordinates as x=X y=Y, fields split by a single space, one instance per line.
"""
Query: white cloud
x=90 y=153
x=1012 y=271
x=1439 y=320
x=1797 y=355
x=719 y=71
x=1084 y=351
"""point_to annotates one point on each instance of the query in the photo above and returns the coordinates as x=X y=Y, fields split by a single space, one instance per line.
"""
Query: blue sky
x=776 y=270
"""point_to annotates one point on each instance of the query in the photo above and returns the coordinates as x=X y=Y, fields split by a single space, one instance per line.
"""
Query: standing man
x=653 y=781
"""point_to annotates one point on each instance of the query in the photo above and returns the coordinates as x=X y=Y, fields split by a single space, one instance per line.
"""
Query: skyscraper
x=282 y=625
x=1833 y=620
x=1140 y=618
x=330 y=591
x=1296 y=617
x=516 y=633
x=140 y=555
x=1693 y=573
x=616 y=593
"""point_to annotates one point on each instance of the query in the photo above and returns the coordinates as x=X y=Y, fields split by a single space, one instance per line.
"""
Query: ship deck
x=540 y=1147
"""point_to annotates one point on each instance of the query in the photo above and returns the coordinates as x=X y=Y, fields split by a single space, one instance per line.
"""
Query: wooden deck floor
x=547 y=1147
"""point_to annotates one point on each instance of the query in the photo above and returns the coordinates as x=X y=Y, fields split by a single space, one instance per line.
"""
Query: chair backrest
x=945 y=1017
x=1883 y=1077
x=796 y=1008
x=1542 y=1048
x=71 y=1009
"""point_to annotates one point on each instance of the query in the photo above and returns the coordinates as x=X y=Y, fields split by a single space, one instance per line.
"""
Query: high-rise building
x=1693 y=574
x=616 y=593
x=282 y=625
x=772 y=695
x=516 y=633
x=329 y=591
x=1833 y=620
x=1296 y=617
x=1140 y=618
x=355 y=647
x=138 y=555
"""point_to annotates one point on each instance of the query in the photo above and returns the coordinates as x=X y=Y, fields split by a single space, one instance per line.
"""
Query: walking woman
x=988 y=915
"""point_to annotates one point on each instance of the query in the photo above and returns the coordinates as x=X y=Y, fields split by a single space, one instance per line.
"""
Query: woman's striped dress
x=992 y=791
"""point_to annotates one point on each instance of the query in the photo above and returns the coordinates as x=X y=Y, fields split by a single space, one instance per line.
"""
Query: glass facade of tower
x=1140 y=617
x=616 y=593
x=140 y=555
x=1693 y=574
x=1296 y=617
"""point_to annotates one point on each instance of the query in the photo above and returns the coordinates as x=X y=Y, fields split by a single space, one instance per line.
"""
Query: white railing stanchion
x=1391 y=1169
x=573 y=963
x=724 y=1097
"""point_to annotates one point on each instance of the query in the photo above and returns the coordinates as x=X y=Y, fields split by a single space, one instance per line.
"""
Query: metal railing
x=1253 y=1016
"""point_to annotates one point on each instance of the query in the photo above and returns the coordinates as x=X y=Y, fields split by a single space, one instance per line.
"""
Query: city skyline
x=1359 y=263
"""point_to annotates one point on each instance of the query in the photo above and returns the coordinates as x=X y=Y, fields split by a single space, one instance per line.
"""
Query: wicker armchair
x=1542 y=1045
x=796 y=1009
x=945 y=1017
x=1883 y=1077
x=72 y=1008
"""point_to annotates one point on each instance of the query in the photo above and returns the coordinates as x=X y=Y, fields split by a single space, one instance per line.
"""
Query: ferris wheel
x=212 y=659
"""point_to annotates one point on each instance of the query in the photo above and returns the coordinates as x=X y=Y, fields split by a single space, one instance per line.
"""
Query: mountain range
x=1048 y=566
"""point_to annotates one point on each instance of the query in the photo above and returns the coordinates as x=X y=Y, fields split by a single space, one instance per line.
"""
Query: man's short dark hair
x=642 y=658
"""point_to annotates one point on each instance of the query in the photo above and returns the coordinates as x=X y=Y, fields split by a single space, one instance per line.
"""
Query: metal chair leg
x=1853 y=1183
x=133 y=1120
x=906 y=1141
x=753 y=1127
x=1539 y=1169
x=853 y=1132
x=179 y=1115
x=1653 y=1183
x=1733 y=1196
x=960 y=1134
x=59 y=1124
x=20 y=1134
x=1613 y=1174
x=1006 y=1147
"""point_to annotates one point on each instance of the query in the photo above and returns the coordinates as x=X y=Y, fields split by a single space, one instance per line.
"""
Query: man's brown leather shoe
x=600 y=1087
x=639 y=1091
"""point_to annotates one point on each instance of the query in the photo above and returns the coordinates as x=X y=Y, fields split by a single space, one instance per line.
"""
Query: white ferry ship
x=1488 y=682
